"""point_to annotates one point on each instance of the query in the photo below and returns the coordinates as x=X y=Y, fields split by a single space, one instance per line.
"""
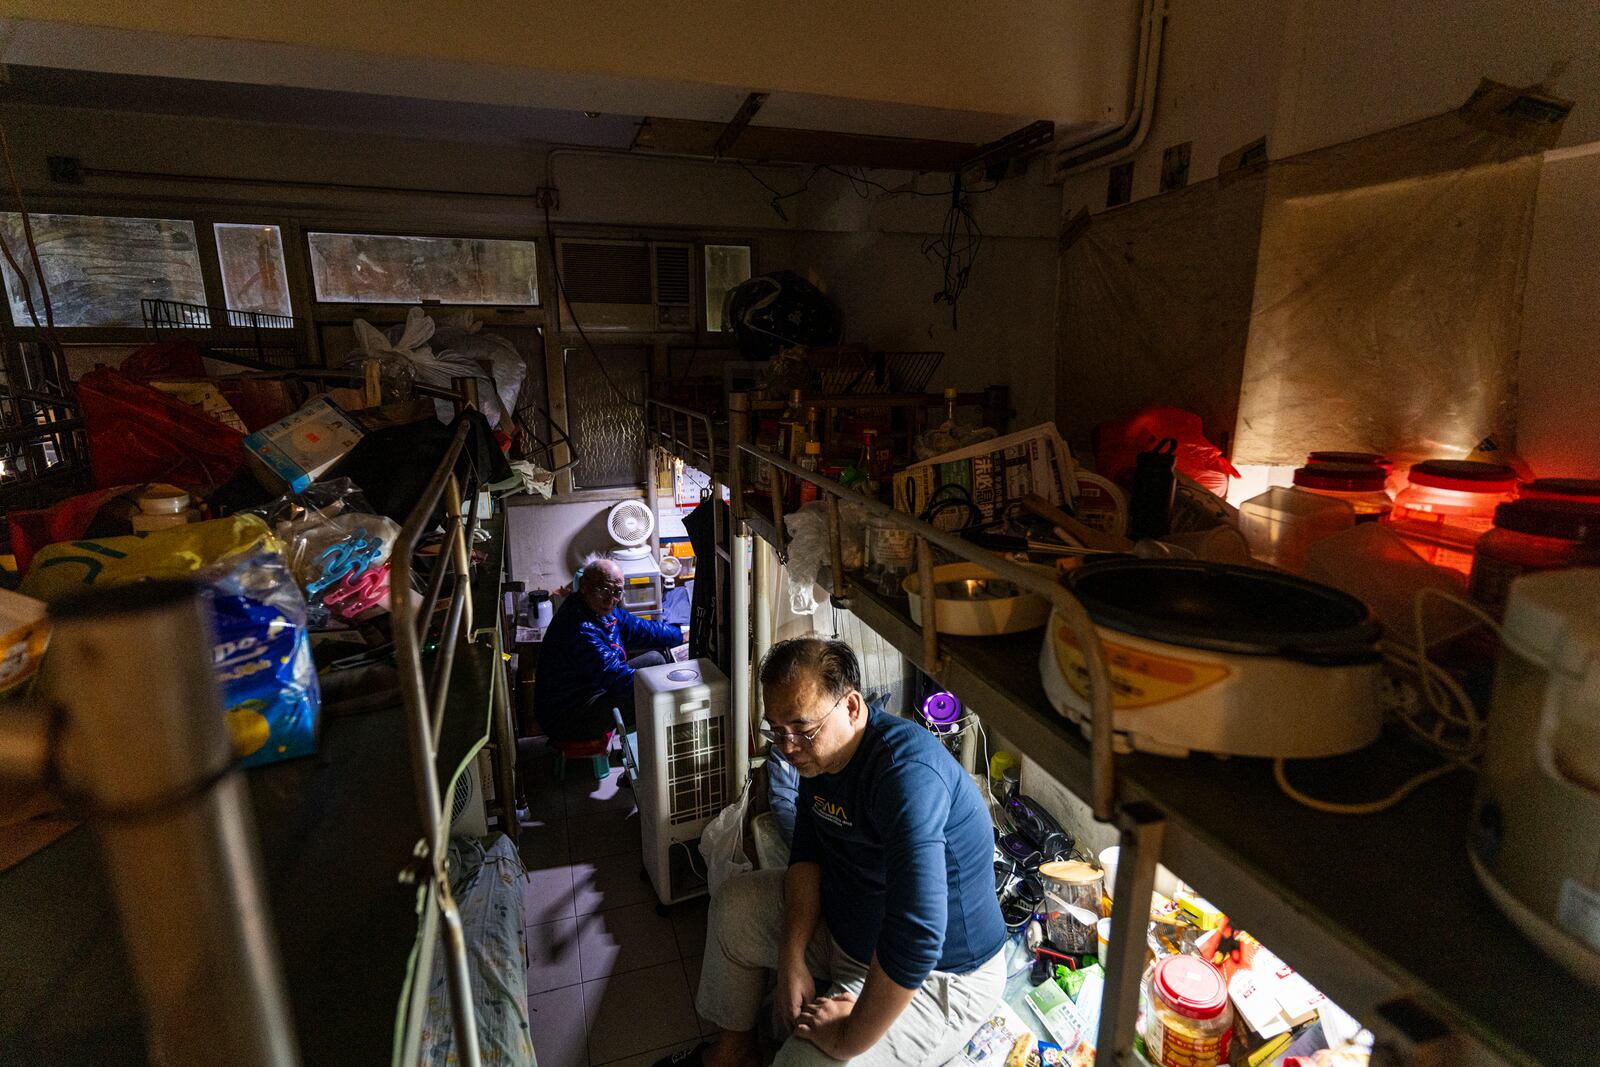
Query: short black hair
x=830 y=664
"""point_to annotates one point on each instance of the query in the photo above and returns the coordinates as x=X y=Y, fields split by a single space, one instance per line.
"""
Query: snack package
x=72 y=566
x=24 y=635
x=262 y=658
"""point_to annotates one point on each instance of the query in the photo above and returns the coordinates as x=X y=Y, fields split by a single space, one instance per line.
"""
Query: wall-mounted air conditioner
x=640 y=286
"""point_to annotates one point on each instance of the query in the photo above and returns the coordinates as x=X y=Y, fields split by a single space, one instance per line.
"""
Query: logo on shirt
x=830 y=811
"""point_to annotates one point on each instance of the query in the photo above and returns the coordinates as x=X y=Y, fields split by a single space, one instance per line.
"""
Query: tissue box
x=301 y=448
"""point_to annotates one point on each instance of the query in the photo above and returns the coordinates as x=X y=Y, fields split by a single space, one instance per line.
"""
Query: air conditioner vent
x=607 y=272
x=672 y=274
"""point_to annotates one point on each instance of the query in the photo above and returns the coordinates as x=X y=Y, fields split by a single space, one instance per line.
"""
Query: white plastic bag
x=722 y=842
x=429 y=367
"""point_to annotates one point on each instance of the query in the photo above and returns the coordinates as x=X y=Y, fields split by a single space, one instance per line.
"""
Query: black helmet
x=780 y=310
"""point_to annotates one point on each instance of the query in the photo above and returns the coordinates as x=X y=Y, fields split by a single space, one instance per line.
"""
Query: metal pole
x=186 y=872
x=1142 y=830
x=738 y=431
x=930 y=610
x=458 y=537
x=652 y=467
x=764 y=579
x=739 y=680
x=505 y=741
x=841 y=592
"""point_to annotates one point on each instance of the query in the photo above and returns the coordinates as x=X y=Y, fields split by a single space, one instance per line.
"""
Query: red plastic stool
x=595 y=751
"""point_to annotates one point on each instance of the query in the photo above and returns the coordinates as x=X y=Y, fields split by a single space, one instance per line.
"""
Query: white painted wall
x=1559 y=389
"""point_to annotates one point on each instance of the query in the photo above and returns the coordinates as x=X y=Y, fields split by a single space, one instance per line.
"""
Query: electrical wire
x=561 y=290
x=1446 y=720
x=957 y=248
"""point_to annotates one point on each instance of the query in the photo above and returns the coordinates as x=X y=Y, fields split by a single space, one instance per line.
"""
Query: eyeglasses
x=608 y=589
x=780 y=737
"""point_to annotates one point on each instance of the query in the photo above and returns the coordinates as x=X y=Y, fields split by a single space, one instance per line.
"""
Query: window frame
x=436 y=232
x=703 y=245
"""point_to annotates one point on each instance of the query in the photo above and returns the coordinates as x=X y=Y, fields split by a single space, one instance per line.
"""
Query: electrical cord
x=555 y=273
x=1446 y=721
x=957 y=247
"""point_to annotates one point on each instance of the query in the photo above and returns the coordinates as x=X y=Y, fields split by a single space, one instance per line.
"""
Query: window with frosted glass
x=253 y=274
x=360 y=268
x=99 y=268
x=726 y=267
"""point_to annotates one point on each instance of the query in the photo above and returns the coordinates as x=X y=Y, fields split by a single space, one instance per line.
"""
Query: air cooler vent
x=696 y=775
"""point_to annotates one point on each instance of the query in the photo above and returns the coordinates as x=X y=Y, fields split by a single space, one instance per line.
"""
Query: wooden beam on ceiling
x=737 y=125
x=772 y=144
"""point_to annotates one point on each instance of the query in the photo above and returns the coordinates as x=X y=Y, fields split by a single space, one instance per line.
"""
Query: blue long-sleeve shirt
x=907 y=855
x=585 y=655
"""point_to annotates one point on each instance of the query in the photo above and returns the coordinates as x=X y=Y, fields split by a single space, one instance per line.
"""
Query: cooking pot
x=1219 y=658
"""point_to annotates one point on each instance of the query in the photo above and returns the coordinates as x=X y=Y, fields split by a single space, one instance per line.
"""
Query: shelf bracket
x=1143 y=829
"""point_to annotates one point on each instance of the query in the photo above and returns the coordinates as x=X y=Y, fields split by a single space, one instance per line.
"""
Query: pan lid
x=1227 y=608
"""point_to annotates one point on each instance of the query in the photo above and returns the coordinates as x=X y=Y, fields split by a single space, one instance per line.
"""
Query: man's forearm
x=881 y=1001
x=802 y=910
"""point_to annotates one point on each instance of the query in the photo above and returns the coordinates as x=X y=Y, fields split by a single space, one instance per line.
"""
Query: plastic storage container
x=1532 y=535
x=162 y=506
x=1281 y=524
x=1358 y=484
x=1188 y=1021
x=1577 y=490
x=1448 y=506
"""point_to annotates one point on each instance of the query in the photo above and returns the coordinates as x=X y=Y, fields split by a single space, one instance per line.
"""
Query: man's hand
x=796 y=988
x=825 y=1023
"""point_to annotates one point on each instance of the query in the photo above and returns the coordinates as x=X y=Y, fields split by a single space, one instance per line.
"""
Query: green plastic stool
x=594 y=751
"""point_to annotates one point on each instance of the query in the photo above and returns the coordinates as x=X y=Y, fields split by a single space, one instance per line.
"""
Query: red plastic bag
x=67 y=520
x=139 y=434
x=178 y=358
x=1119 y=442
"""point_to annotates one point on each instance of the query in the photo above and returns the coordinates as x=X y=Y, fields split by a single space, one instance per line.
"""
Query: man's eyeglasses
x=608 y=588
x=806 y=737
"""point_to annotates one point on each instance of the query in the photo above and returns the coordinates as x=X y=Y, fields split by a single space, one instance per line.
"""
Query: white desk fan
x=630 y=524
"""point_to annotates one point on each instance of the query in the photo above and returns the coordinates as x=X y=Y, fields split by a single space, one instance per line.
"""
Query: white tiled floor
x=610 y=981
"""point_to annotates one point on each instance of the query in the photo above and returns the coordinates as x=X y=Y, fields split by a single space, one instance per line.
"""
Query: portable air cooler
x=683 y=764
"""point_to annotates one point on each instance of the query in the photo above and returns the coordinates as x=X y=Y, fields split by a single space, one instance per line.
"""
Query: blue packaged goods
x=262 y=659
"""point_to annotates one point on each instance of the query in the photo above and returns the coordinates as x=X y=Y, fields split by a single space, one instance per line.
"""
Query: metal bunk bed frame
x=212 y=983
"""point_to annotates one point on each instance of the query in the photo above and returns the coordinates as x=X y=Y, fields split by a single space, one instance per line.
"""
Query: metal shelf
x=1372 y=910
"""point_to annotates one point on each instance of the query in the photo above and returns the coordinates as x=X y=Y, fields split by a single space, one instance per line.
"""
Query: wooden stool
x=595 y=751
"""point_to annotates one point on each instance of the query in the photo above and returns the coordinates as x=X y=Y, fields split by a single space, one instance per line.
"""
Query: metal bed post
x=153 y=764
x=739 y=595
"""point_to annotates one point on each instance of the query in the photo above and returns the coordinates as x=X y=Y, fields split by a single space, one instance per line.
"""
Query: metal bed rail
x=424 y=694
x=662 y=422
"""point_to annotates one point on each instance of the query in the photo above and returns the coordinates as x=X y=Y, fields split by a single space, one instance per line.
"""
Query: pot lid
x=1341 y=477
x=1563 y=489
x=1566 y=519
x=1365 y=459
x=1191 y=986
x=1464 y=476
x=1226 y=608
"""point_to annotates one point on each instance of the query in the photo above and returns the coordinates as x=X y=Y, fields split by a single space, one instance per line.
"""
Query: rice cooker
x=1210 y=657
x=1535 y=840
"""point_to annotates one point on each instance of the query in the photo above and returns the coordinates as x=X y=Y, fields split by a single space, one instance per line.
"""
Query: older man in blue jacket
x=590 y=652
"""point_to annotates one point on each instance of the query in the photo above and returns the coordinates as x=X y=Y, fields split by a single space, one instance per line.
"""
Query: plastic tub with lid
x=1188 y=1021
x=1281 y=524
x=1358 y=484
x=1532 y=535
x=1448 y=506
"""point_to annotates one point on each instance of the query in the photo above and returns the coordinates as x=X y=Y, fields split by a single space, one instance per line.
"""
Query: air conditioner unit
x=683 y=768
x=468 y=811
x=638 y=286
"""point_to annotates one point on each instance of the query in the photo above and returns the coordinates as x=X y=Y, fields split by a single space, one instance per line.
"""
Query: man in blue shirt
x=888 y=906
x=589 y=654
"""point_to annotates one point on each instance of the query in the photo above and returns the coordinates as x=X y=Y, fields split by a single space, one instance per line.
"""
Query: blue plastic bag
x=262 y=658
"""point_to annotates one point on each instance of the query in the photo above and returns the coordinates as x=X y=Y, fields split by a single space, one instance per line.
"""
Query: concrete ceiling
x=936 y=69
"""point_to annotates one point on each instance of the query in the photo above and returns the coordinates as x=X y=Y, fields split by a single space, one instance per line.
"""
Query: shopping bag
x=722 y=842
